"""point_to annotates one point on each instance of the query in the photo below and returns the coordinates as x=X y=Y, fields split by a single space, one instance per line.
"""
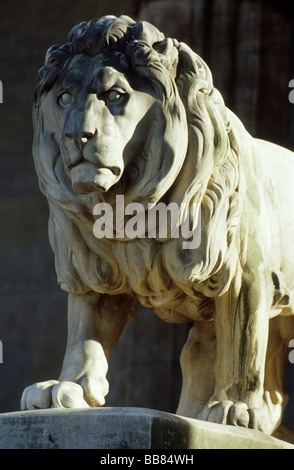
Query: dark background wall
x=249 y=47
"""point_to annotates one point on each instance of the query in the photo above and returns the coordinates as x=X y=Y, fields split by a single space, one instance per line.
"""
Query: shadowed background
x=249 y=46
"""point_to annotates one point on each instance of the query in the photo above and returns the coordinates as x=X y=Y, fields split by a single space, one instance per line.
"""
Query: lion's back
x=277 y=183
x=278 y=172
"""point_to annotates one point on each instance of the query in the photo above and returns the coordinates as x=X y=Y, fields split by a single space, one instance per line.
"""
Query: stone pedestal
x=123 y=428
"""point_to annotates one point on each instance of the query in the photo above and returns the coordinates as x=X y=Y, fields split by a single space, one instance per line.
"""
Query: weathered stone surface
x=125 y=117
x=123 y=428
x=36 y=305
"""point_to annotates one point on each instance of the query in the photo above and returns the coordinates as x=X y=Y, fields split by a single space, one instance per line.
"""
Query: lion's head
x=120 y=109
x=107 y=100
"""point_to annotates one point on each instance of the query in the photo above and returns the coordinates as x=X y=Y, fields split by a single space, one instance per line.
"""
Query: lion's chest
x=141 y=271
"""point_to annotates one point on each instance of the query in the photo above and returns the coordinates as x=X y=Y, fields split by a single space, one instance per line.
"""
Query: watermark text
x=160 y=458
x=291 y=94
x=159 y=221
x=291 y=354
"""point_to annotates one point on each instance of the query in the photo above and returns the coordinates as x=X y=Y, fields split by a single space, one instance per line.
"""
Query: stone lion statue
x=121 y=110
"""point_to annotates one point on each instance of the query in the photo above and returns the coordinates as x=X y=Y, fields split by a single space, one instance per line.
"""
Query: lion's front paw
x=38 y=396
x=229 y=412
x=54 y=394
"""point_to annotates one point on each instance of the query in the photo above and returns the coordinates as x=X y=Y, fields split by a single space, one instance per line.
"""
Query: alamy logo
x=291 y=94
x=1 y=92
x=291 y=354
x=159 y=221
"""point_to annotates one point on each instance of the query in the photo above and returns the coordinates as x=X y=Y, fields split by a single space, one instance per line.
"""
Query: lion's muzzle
x=86 y=177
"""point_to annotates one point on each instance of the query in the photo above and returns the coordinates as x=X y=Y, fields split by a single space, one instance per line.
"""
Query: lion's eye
x=114 y=96
x=65 y=98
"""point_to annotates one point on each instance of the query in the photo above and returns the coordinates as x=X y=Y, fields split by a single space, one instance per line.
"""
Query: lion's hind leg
x=278 y=374
x=197 y=363
x=275 y=397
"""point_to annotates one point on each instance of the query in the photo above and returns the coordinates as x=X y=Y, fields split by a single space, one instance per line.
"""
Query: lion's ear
x=183 y=65
x=168 y=54
x=191 y=64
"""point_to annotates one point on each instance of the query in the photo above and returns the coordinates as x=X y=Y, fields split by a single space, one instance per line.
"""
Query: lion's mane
x=209 y=173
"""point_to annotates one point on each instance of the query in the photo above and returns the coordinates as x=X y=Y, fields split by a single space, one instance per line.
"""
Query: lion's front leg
x=241 y=326
x=95 y=322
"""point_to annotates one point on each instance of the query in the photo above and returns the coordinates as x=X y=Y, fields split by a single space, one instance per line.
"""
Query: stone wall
x=247 y=44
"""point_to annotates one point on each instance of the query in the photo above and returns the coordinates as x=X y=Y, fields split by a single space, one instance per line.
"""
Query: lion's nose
x=80 y=138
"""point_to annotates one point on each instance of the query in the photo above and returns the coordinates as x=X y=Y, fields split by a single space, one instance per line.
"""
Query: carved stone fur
x=120 y=109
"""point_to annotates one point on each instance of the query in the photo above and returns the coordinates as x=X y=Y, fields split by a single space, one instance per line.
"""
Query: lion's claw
x=54 y=394
x=229 y=412
x=38 y=396
x=68 y=395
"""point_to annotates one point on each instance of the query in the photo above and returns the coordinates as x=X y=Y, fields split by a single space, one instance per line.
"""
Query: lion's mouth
x=107 y=177
x=86 y=177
